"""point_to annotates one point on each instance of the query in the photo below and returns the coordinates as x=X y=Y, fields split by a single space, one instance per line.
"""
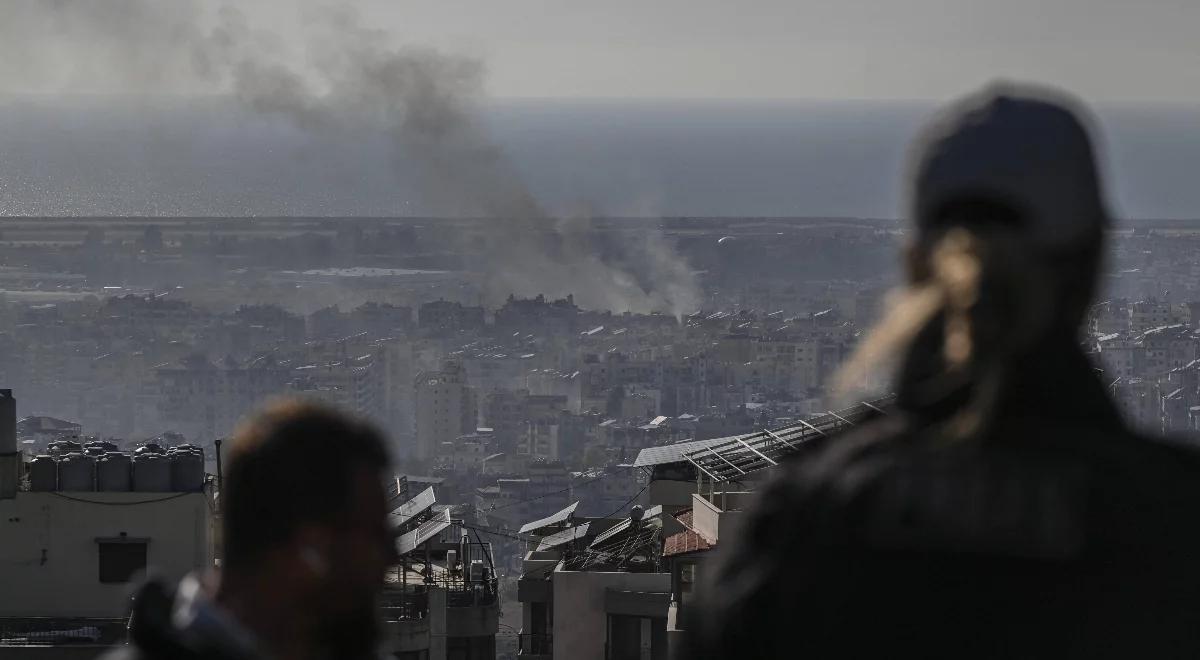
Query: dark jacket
x=182 y=624
x=1063 y=534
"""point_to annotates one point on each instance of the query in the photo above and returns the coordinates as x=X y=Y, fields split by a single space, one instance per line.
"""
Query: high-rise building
x=445 y=408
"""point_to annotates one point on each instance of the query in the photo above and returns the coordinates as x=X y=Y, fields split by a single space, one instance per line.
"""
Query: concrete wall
x=477 y=621
x=580 y=620
x=672 y=495
x=63 y=652
x=437 y=623
x=709 y=519
x=403 y=636
x=49 y=558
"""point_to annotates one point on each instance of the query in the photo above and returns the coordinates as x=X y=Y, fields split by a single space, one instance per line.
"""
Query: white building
x=445 y=408
x=74 y=555
x=68 y=559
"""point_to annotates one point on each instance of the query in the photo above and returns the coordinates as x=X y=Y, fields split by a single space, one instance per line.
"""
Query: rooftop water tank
x=187 y=470
x=151 y=473
x=60 y=447
x=114 y=473
x=102 y=444
x=76 y=472
x=8 y=422
x=43 y=474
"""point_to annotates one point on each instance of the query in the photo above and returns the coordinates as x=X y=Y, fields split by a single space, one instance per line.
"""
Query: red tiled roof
x=684 y=542
x=685 y=518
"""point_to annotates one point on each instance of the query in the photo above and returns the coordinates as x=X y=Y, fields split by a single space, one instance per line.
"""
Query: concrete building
x=445 y=315
x=703 y=485
x=68 y=558
x=1152 y=313
x=75 y=558
x=593 y=589
x=395 y=363
x=204 y=400
x=445 y=408
x=543 y=416
x=442 y=600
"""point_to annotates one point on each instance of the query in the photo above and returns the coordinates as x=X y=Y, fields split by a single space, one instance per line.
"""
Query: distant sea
x=205 y=157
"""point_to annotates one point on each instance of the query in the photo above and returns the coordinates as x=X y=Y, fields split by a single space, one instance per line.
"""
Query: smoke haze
x=349 y=80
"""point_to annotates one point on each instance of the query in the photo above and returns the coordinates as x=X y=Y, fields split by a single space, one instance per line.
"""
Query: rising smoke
x=348 y=78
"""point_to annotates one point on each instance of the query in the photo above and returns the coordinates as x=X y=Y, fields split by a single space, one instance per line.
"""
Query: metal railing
x=412 y=607
x=473 y=594
x=55 y=632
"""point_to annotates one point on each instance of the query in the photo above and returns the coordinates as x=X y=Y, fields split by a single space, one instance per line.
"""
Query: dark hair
x=295 y=462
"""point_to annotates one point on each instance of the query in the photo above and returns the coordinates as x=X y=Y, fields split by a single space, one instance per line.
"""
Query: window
x=121 y=559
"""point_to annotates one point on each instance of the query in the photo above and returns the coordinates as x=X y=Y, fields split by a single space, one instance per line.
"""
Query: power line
x=557 y=492
x=493 y=532
x=628 y=501
x=80 y=499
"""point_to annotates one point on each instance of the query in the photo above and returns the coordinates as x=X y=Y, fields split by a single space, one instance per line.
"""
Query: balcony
x=406 y=622
x=476 y=594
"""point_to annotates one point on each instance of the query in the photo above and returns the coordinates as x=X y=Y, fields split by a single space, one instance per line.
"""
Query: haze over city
x=601 y=331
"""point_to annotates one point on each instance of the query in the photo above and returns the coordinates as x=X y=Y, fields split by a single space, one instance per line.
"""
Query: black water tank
x=43 y=474
x=114 y=473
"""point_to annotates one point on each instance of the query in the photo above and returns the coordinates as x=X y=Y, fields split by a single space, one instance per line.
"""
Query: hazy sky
x=1101 y=49
x=1130 y=50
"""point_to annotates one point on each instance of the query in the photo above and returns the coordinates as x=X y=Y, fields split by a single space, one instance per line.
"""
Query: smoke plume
x=349 y=79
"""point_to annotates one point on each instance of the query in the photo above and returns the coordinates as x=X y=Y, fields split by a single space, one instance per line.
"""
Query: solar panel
x=621 y=546
x=651 y=456
x=738 y=456
x=397 y=488
x=427 y=530
x=556 y=518
x=561 y=538
x=413 y=508
x=623 y=526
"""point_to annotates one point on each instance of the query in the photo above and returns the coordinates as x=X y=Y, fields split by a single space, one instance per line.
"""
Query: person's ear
x=314 y=560
x=313 y=550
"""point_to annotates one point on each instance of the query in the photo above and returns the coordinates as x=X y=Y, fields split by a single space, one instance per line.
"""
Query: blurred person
x=1001 y=508
x=306 y=544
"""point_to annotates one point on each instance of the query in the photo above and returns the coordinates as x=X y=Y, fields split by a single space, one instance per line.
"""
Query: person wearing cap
x=1000 y=508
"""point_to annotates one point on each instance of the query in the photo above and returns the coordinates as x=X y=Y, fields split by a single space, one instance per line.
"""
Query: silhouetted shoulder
x=1070 y=518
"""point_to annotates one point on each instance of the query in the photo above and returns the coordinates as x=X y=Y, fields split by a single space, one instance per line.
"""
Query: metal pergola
x=741 y=456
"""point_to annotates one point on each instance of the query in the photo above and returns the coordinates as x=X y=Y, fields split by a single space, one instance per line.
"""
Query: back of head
x=1019 y=147
x=293 y=464
x=1008 y=226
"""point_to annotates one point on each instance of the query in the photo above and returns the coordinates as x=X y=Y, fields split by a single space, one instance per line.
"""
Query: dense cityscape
x=599 y=331
x=529 y=424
